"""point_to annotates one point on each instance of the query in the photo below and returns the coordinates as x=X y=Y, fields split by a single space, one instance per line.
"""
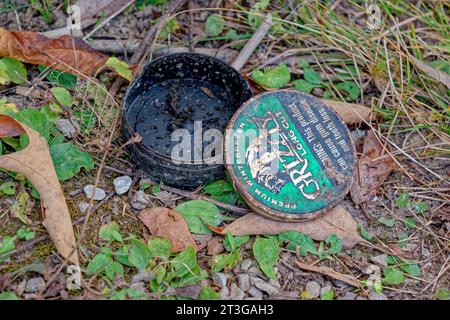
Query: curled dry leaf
x=337 y=221
x=374 y=165
x=9 y=127
x=65 y=53
x=168 y=224
x=35 y=163
x=349 y=112
x=437 y=75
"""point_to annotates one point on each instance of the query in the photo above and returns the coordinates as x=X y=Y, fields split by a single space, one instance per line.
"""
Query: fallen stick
x=131 y=45
x=331 y=273
x=252 y=43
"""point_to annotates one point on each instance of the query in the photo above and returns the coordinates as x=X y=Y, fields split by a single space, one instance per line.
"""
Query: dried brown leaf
x=35 y=163
x=349 y=112
x=168 y=224
x=65 y=53
x=337 y=221
x=374 y=165
x=437 y=75
x=9 y=127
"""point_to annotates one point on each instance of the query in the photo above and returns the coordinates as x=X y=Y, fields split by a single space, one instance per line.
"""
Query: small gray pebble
x=220 y=279
x=34 y=285
x=313 y=287
x=244 y=281
x=99 y=193
x=139 y=200
x=246 y=264
x=122 y=184
x=236 y=293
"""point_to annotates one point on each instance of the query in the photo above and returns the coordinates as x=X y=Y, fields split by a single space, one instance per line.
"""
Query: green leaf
x=312 y=76
x=303 y=64
x=387 y=222
x=272 y=78
x=232 y=243
x=113 y=268
x=184 y=263
x=218 y=187
x=122 y=68
x=8 y=188
x=442 y=294
x=214 y=25
x=8 y=295
x=266 y=251
x=223 y=260
x=121 y=255
x=329 y=295
x=227 y=197
x=35 y=120
x=140 y=255
x=62 y=95
x=350 y=88
x=19 y=208
x=411 y=267
x=393 y=276
x=410 y=223
x=51 y=112
x=98 y=264
x=364 y=233
x=25 y=233
x=110 y=232
x=159 y=247
x=141 y=4
x=419 y=207
x=197 y=213
x=68 y=160
x=7 y=245
x=60 y=79
x=297 y=239
x=207 y=293
x=12 y=70
x=391 y=260
x=402 y=200
x=334 y=244
x=303 y=85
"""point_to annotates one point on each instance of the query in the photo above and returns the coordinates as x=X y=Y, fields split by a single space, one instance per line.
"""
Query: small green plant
x=44 y=7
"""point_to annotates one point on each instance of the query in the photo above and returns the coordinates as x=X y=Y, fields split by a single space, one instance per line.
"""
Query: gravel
x=377 y=296
x=246 y=264
x=348 y=296
x=122 y=184
x=313 y=287
x=141 y=276
x=66 y=128
x=220 y=279
x=99 y=193
x=380 y=260
x=264 y=286
x=224 y=293
x=34 y=285
x=236 y=293
x=244 y=281
x=139 y=200
x=83 y=206
x=255 y=292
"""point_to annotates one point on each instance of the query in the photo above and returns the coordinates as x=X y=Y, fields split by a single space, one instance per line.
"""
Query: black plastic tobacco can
x=289 y=155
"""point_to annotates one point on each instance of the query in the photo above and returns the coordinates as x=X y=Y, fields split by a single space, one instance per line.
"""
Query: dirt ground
x=428 y=243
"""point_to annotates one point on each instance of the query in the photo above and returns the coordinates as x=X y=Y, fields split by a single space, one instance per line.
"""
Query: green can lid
x=289 y=155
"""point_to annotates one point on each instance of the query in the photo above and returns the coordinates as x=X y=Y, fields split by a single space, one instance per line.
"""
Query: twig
x=191 y=195
x=137 y=57
x=331 y=273
x=106 y=21
x=252 y=43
